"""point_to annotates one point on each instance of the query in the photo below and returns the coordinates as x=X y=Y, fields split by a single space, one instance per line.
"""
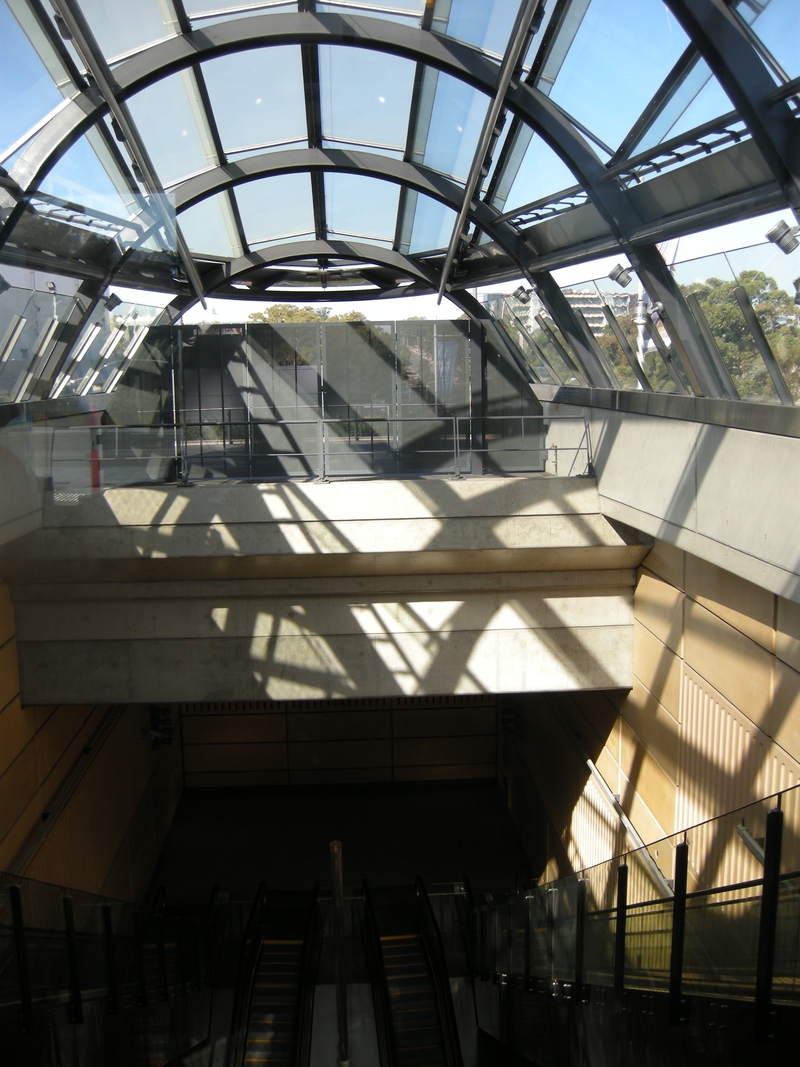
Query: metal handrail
x=387 y=1049
x=434 y=948
x=246 y=972
x=312 y=947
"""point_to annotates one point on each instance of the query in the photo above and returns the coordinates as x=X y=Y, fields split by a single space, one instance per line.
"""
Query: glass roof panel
x=167 y=117
x=23 y=79
x=409 y=12
x=484 y=23
x=277 y=208
x=699 y=99
x=257 y=97
x=207 y=12
x=122 y=26
x=358 y=206
x=433 y=224
x=449 y=125
x=777 y=26
x=207 y=227
x=533 y=171
x=81 y=178
x=365 y=96
x=621 y=53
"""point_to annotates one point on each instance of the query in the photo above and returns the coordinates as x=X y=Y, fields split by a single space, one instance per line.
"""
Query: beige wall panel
x=667 y=562
x=652 y=784
x=54 y=738
x=252 y=757
x=343 y=775
x=786 y=710
x=733 y=664
x=17 y=726
x=451 y=771
x=659 y=606
x=141 y=824
x=52 y=783
x=232 y=729
x=608 y=767
x=430 y=751
x=647 y=826
x=440 y=722
x=117 y=883
x=7 y=624
x=338 y=725
x=143 y=862
x=18 y=786
x=740 y=603
x=657 y=729
x=41 y=713
x=235 y=779
x=12 y=844
x=788 y=632
x=9 y=673
x=657 y=668
x=329 y=755
x=722 y=756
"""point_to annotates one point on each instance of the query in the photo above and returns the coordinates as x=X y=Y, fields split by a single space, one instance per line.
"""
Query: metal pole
x=619 y=933
x=678 y=929
x=768 y=924
x=75 y=1006
x=26 y=1010
x=139 y=955
x=343 y=1053
x=763 y=345
x=108 y=932
x=580 y=933
x=163 y=978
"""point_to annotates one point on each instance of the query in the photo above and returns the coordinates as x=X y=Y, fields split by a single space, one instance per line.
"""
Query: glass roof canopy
x=319 y=150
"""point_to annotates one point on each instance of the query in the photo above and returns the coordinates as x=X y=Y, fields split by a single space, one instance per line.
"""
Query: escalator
x=274 y=998
x=414 y=1013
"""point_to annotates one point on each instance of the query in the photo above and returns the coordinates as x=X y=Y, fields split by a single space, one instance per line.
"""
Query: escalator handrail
x=387 y=1052
x=248 y=961
x=309 y=965
x=434 y=947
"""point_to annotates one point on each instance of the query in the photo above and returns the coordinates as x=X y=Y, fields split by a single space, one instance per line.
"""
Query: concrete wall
x=729 y=496
x=305 y=591
x=711 y=723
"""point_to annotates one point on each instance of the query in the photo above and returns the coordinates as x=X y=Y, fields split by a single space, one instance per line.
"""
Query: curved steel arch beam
x=460 y=61
x=370 y=164
x=741 y=72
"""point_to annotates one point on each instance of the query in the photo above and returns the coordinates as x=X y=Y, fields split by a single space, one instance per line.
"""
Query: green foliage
x=291 y=313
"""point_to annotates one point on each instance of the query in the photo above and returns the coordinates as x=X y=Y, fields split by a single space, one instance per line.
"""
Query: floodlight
x=4 y=285
x=639 y=317
x=522 y=294
x=784 y=236
x=51 y=288
x=797 y=290
x=621 y=275
x=112 y=301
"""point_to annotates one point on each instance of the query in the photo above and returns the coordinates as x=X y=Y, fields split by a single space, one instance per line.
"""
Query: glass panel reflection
x=278 y=208
x=171 y=124
x=777 y=25
x=209 y=228
x=428 y=223
x=449 y=124
x=532 y=172
x=365 y=96
x=257 y=98
x=24 y=79
x=361 y=207
x=122 y=26
x=620 y=54
x=484 y=23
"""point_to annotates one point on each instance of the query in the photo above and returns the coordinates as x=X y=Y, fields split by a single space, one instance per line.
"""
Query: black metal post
x=768 y=923
x=619 y=934
x=678 y=930
x=343 y=1052
x=580 y=936
x=108 y=938
x=526 y=904
x=138 y=952
x=161 y=949
x=75 y=1006
x=23 y=974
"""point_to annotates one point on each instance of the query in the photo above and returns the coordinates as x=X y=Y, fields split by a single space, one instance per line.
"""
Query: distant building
x=590 y=303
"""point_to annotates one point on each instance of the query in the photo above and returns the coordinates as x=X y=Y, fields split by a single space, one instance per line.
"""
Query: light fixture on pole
x=522 y=294
x=621 y=275
x=784 y=236
x=112 y=301
x=797 y=291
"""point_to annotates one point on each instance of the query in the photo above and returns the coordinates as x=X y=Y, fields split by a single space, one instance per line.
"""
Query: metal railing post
x=108 y=938
x=770 y=895
x=320 y=448
x=619 y=933
x=23 y=974
x=139 y=957
x=161 y=948
x=580 y=936
x=75 y=1006
x=678 y=931
x=343 y=1052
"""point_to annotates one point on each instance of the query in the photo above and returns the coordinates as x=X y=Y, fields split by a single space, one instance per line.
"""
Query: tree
x=291 y=313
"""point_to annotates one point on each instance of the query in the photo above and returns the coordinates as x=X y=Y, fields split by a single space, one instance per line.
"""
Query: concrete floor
x=388 y=835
